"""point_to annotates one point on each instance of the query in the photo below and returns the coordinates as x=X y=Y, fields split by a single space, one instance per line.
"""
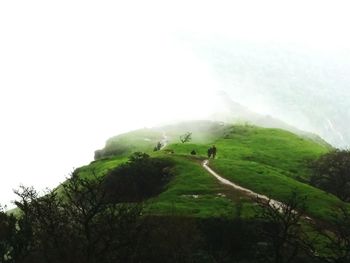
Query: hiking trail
x=248 y=192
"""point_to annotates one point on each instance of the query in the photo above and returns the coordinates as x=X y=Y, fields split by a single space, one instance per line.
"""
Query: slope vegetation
x=271 y=162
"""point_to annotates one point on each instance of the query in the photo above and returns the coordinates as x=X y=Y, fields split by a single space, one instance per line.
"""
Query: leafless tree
x=186 y=137
x=282 y=230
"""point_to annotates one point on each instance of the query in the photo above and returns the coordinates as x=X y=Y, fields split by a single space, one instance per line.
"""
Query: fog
x=74 y=73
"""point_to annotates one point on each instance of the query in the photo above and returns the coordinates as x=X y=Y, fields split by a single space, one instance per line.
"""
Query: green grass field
x=101 y=167
x=272 y=162
x=194 y=192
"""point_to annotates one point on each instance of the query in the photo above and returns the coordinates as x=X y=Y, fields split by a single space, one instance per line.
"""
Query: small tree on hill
x=186 y=137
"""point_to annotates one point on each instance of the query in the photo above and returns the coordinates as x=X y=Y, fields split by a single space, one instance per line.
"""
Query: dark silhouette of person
x=210 y=152
x=213 y=150
x=159 y=146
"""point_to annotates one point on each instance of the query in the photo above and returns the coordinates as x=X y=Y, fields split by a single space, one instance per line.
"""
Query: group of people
x=212 y=152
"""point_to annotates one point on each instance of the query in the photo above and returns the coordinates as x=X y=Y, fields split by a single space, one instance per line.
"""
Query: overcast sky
x=74 y=73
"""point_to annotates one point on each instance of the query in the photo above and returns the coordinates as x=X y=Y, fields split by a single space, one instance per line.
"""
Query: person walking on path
x=213 y=150
x=210 y=152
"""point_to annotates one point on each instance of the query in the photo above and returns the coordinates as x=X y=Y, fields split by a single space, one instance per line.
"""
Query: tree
x=331 y=172
x=7 y=231
x=333 y=244
x=75 y=224
x=186 y=137
x=42 y=228
x=282 y=229
x=105 y=230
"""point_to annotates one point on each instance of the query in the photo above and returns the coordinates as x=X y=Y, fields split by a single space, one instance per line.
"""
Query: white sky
x=73 y=73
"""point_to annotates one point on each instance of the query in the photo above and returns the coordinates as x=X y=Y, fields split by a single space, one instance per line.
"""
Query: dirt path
x=246 y=191
x=253 y=195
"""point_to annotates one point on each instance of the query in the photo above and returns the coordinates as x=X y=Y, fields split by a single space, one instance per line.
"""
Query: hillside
x=272 y=162
x=145 y=139
x=139 y=204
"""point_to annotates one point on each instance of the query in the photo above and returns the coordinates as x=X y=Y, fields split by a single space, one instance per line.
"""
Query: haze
x=74 y=73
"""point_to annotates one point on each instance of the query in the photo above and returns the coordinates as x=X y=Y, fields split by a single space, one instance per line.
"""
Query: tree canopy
x=331 y=172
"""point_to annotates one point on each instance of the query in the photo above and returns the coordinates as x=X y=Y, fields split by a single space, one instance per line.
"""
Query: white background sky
x=73 y=73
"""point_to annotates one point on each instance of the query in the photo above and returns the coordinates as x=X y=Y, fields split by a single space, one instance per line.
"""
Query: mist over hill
x=233 y=112
x=308 y=89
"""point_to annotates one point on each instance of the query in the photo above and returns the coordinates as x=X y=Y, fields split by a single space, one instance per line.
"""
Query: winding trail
x=253 y=195
x=273 y=203
x=249 y=193
x=246 y=191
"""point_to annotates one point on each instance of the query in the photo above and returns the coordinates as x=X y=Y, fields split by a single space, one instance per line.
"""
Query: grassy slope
x=101 y=167
x=273 y=148
x=125 y=144
x=194 y=192
x=146 y=139
x=267 y=161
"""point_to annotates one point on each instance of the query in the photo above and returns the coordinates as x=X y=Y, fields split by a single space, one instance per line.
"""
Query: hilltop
x=227 y=112
x=268 y=161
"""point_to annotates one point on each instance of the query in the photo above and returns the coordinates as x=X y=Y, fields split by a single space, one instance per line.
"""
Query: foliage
x=7 y=231
x=78 y=226
x=140 y=178
x=331 y=172
x=230 y=240
x=170 y=239
x=188 y=217
x=282 y=232
x=332 y=241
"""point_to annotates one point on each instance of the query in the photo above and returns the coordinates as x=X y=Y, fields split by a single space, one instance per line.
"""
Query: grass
x=273 y=147
x=146 y=139
x=194 y=192
x=272 y=162
x=143 y=140
x=101 y=167
x=273 y=183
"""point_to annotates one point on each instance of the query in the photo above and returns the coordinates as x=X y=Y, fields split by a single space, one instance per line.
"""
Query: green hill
x=272 y=162
x=144 y=204
x=145 y=139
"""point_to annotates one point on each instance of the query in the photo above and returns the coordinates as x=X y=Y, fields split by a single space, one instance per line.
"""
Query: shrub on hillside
x=140 y=178
x=331 y=172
